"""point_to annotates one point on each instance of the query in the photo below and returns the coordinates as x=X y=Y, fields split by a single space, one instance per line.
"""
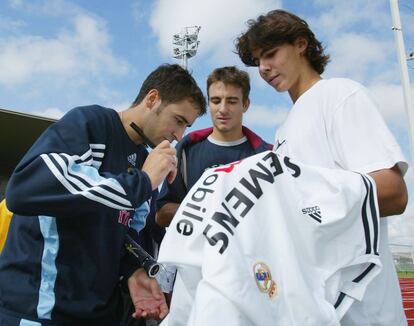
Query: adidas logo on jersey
x=132 y=158
x=314 y=212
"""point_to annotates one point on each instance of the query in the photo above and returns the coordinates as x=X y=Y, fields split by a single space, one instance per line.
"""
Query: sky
x=59 y=54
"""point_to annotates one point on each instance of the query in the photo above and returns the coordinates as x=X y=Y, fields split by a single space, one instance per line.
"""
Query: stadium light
x=405 y=79
x=186 y=44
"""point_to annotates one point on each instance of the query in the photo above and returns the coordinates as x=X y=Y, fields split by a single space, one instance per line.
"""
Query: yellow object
x=5 y=218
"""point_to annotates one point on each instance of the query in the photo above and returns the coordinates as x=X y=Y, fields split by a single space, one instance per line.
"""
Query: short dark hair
x=275 y=28
x=174 y=84
x=231 y=76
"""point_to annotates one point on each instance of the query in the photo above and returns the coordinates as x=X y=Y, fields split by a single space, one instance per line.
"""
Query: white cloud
x=53 y=113
x=221 y=22
x=121 y=106
x=140 y=10
x=262 y=116
x=360 y=57
x=10 y=25
x=391 y=103
x=401 y=228
x=358 y=36
x=25 y=57
x=75 y=53
x=53 y=8
x=255 y=79
x=15 y=3
x=56 y=113
x=339 y=17
x=409 y=176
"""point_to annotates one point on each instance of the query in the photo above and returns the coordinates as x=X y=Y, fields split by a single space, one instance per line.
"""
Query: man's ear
x=246 y=105
x=301 y=43
x=152 y=97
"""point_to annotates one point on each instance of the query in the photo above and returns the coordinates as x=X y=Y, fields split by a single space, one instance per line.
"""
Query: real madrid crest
x=263 y=279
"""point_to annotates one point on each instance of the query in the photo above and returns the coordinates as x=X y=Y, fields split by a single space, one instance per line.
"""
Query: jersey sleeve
x=60 y=172
x=344 y=231
x=361 y=141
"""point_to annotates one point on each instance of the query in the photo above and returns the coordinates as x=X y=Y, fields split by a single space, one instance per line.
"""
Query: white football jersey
x=267 y=241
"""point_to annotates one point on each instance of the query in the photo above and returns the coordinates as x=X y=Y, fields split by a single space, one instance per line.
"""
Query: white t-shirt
x=336 y=124
x=267 y=241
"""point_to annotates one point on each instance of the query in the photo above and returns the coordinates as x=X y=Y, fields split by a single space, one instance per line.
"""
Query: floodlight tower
x=405 y=79
x=186 y=44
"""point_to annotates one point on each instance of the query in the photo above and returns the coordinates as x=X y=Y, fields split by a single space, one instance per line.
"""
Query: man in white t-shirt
x=333 y=123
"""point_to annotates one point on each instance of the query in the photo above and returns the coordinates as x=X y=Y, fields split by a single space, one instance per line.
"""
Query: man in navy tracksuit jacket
x=85 y=183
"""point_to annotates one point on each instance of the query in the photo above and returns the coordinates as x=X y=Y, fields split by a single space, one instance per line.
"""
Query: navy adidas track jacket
x=73 y=202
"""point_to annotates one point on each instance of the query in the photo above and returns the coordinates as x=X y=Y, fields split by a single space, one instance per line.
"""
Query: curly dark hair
x=275 y=28
x=174 y=84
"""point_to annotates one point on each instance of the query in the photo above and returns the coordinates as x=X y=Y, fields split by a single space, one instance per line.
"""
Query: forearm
x=42 y=187
x=166 y=213
x=391 y=191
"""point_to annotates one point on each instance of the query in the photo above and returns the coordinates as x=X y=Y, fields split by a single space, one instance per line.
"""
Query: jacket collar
x=199 y=135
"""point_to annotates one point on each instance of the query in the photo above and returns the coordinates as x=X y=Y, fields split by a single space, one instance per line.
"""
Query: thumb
x=163 y=144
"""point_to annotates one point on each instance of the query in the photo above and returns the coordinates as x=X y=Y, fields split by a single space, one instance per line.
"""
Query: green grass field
x=405 y=274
